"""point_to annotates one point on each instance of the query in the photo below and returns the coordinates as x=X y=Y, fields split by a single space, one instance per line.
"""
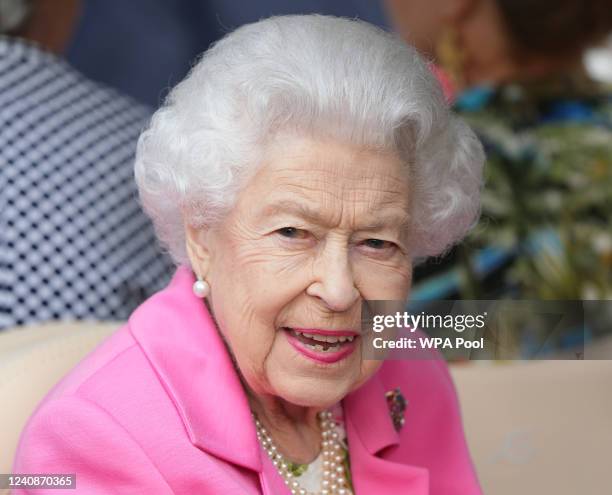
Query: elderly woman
x=299 y=170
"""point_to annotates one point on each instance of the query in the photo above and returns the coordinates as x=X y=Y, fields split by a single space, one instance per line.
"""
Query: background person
x=74 y=243
x=144 y=47
x=546 y=126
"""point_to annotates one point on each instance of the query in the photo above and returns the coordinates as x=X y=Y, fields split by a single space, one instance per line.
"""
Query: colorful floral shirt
x=546 y=225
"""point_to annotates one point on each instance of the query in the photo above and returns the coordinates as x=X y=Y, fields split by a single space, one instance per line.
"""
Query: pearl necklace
x=333 y=482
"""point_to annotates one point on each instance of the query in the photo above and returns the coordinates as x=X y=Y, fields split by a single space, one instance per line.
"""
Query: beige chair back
x=538 y=428
x=32 y=360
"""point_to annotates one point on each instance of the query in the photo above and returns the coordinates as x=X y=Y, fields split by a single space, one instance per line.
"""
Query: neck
x=294 y=429
x=505 y=71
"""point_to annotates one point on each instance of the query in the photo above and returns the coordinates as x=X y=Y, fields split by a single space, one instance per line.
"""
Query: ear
x=198 y=249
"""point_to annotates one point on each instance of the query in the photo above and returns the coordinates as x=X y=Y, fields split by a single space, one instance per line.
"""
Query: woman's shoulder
x=110 y=402
x=115 y=352
x=121 y=362
x=70 y=433
x=123 y=375
x=514 y=118
x=115 y=378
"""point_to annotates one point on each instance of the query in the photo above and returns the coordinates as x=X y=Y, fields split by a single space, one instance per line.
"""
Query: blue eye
x=292 y=233
x=378 y=244
x=287 y=231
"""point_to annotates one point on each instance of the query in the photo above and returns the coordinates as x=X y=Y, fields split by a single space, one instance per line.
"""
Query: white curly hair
x=312 y=74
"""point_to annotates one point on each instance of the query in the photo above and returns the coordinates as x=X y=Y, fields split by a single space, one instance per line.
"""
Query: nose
x=333 y=282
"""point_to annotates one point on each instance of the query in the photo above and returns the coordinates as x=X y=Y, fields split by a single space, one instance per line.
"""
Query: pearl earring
x=201 y=288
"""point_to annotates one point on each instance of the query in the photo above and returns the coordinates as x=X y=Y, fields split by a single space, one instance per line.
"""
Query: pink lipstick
x=323 y=346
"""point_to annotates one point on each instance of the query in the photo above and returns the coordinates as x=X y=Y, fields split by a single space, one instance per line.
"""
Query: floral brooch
x=397 y=405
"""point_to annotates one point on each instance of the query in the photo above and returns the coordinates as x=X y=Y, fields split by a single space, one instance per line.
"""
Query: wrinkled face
x=319 y=228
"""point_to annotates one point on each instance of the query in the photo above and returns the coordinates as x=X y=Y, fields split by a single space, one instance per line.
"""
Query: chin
x=312 y=394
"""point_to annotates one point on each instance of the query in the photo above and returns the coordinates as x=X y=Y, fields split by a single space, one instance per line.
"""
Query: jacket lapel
x=178 y=336
x=371 y=434
x=271 y=481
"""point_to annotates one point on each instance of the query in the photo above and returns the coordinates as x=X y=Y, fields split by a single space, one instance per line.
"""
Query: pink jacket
x=158 y=409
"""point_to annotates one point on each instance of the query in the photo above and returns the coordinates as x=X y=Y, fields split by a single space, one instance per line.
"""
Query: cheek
x=267 y=274
x=252 y=286
x=382 y=281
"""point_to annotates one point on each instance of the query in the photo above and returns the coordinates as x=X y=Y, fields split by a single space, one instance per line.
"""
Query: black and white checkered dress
x=74 y=243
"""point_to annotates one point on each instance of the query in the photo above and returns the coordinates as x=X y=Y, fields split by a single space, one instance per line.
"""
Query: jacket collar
x=367 y=406
x=370 y=432
x=180 y=339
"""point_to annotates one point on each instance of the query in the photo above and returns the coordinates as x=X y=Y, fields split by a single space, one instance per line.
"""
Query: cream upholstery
x=32 y=360
x=533 y=428
x=538 y=428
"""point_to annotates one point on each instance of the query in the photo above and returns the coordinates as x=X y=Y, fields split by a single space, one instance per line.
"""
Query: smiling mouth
x=319 y=342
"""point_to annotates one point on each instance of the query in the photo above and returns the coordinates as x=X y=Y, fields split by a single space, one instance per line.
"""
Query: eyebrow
x=378 y=221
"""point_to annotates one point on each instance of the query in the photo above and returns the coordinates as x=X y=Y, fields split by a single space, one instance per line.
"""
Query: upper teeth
x=326 y=338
